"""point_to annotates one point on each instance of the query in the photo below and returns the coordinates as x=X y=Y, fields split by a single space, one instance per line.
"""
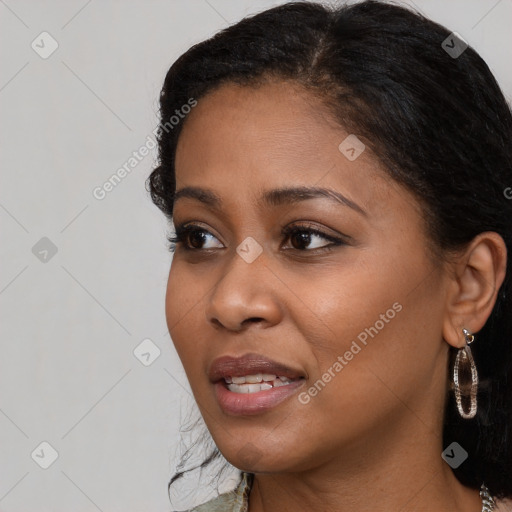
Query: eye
x=192 y=237
x=304 y=235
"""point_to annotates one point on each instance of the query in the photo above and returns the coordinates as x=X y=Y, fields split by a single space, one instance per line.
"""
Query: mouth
x=252 y=398
x=253 y=383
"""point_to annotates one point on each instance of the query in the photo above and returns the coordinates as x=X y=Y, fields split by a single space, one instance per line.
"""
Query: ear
x=476 y=277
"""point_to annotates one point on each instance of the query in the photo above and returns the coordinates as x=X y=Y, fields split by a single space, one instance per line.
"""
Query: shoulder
x=236 y=500
x=226 y=502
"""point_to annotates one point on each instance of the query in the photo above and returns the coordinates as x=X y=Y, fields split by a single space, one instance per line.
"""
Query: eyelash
x=182 y=231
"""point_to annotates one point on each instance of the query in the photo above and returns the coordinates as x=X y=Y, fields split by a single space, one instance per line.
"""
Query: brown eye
x=302 y=236
x=191 y=238
x=197 y=238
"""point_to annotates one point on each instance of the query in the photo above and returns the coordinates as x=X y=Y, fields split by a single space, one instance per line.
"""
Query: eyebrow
x=275 y=197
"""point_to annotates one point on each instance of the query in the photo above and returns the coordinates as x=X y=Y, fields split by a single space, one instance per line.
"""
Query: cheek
x=344 y=303
x=175 y=291
x=184 y=303
x=378 y=318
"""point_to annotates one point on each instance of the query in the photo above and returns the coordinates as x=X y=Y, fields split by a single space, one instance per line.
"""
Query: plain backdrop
x=82 y=279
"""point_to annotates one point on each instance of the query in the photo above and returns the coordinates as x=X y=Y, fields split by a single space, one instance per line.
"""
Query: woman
x=340 y=290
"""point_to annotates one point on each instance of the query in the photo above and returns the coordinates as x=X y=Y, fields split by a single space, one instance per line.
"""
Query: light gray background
x=70 y=324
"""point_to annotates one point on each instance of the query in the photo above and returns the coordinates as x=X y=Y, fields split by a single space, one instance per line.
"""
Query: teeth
x=249 y=388
x=252 y=379
x=255 y=387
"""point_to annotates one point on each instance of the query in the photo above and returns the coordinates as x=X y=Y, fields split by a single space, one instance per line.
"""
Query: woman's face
x=361 y=321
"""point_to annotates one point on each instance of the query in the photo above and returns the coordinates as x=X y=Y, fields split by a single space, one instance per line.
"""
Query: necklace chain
x=488 y=502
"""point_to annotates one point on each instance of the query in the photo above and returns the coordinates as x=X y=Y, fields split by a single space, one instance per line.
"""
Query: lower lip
x=253 y=403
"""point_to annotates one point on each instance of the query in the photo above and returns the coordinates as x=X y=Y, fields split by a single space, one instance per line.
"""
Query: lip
x=252 y=403
x=237 y=404
x=249 y=364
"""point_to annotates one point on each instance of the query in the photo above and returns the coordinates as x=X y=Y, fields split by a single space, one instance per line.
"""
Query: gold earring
x=464 y=360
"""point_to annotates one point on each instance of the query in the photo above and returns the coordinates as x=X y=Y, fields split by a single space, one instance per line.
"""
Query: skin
x=371 y=439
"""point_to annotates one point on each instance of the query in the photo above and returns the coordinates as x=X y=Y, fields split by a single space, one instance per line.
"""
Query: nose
x=245 y=294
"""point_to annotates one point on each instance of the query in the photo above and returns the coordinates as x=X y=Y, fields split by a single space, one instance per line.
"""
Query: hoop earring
x=464 y=360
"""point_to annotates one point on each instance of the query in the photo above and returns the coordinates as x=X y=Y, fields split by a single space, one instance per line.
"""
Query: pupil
x=303 y=237
x=198 y=237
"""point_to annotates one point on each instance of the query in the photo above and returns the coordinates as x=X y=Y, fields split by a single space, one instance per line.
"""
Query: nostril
x=239 y=327
x=254 y=319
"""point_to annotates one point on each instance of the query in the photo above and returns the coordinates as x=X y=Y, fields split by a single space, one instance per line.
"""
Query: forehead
x=274 y=116
x=253 y=138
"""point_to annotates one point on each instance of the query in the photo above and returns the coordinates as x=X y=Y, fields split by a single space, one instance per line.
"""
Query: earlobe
x=477 y=276
x=452 y=333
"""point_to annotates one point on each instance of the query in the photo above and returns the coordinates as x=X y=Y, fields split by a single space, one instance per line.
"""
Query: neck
x=401 y=470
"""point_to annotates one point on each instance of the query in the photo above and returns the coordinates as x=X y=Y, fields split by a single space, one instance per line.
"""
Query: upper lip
x=249 y=364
